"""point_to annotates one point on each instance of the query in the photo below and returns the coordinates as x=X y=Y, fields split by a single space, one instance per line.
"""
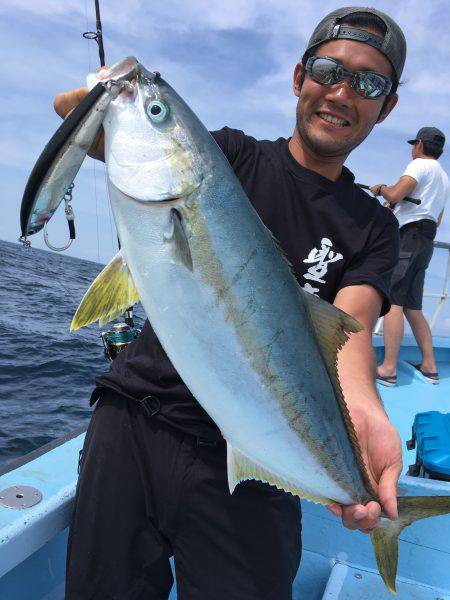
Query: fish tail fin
x=385 y=538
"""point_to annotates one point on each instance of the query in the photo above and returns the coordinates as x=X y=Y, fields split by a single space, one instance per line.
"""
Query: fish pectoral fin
x=177 y=238
x=241 y=468
x=385 y=538
x=110 y=294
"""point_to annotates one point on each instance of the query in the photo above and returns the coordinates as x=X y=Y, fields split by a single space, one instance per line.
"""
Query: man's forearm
x=389 y=194
x=356 y=368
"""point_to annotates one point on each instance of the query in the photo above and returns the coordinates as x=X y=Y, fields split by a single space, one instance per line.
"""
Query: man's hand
x=64 y=104
x=381 y=449
x=376 y=189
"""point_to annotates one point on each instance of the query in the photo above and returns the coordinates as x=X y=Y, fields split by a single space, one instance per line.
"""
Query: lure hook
x=70 y=221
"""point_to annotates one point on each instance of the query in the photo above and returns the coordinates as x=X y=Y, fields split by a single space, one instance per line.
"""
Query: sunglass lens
x=369 y=85
x=325 y=70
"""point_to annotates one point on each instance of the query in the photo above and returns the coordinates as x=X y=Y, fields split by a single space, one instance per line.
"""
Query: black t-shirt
x=333 y=234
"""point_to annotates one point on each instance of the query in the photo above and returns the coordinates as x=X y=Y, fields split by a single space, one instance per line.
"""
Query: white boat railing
x=442 y=296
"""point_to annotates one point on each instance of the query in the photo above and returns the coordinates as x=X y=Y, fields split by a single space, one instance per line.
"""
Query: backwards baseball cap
x=392 y=44
x=429 y=134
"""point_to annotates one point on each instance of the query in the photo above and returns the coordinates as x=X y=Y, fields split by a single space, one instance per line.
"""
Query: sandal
x=431 y=377
x=387 y=380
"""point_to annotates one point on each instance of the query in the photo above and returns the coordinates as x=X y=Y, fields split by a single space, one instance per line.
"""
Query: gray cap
x=429 y=134
x=392 y=45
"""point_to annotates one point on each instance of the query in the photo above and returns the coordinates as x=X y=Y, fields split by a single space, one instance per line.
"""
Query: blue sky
x=232 y=60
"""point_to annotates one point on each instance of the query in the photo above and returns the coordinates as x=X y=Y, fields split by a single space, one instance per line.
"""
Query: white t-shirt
x=433 y=189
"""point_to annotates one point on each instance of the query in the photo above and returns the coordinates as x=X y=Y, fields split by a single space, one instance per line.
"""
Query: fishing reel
x=119 y=336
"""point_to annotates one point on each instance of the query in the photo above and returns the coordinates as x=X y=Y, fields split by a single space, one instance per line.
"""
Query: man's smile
x=333 y=120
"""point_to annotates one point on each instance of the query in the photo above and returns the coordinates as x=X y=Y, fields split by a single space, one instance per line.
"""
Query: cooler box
x=431 y=438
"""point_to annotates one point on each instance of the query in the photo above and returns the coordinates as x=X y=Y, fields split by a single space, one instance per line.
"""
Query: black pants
x=416 y=250
x=147 y=491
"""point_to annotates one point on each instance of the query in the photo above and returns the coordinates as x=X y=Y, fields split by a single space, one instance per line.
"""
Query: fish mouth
x=152 y=181
x=153 y=164
x=172 y=201
x=125 y=70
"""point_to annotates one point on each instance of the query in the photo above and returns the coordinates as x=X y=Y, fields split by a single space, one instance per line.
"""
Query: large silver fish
x=257 y=351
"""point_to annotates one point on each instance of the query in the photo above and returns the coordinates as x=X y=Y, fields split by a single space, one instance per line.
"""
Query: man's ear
x=297 y=83
x=389 y=105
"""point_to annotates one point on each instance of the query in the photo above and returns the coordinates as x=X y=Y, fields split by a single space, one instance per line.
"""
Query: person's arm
x=380 y=442
x=64 y=103
x=395 y=193
x=441 y=214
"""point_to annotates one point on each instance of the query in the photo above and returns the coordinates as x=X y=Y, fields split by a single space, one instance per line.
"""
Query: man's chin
x=330 y=148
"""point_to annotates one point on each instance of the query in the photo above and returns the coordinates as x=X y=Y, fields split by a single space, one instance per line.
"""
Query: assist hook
x=70 y=221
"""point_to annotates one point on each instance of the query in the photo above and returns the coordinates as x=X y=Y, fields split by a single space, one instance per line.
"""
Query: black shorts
x=148 y=491
x=416 y=250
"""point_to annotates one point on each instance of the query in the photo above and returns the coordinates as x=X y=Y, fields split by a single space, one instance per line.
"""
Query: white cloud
x=45 y=53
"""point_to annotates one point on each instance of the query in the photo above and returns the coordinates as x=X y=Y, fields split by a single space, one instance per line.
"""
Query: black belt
x=151 y=405
x=422 y=224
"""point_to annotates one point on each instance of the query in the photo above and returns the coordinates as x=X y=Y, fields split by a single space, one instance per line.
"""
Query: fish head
x=150 y=149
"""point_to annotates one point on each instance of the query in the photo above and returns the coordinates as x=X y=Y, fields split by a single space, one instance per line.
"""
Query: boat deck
x=413 y=393
x=336 y=563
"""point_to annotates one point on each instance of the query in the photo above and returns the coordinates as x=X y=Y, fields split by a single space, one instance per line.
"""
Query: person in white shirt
x=423 y=179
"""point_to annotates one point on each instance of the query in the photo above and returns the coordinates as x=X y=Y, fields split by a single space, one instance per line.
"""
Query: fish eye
x=157 y=110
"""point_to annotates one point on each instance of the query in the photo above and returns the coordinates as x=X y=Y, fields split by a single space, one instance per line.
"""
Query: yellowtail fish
x=257 y=351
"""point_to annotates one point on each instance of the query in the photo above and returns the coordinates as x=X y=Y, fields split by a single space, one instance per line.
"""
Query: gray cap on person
x=429 y=134
x=392 y=45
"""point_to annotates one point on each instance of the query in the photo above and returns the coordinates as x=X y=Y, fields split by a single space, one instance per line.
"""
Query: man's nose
x=341 y=93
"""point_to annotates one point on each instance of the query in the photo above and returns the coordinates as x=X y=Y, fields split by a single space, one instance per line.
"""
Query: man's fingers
x=387 y=491
x=336 y=509
x=361 y=517
x=65 y=102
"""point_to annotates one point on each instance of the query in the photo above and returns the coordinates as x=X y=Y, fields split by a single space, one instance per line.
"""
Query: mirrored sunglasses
x=367 y=84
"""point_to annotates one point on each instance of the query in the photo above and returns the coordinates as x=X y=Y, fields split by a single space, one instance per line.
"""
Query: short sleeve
x=376 y=263
x=414 y=170
x=231 y=142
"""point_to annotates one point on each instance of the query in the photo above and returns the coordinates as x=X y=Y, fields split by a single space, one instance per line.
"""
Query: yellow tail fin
x=385 y=538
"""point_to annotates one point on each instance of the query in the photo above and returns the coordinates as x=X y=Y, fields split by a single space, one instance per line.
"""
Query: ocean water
x=46 y=372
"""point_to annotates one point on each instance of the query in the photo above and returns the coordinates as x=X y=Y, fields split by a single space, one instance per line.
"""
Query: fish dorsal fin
x=331 y=326
x=110 y=294
x=241 y=468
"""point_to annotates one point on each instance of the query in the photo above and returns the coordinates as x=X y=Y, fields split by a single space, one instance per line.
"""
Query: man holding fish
x=153 y=480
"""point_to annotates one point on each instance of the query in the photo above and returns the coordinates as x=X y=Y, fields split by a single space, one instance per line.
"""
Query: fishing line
x=95 y=172
x=88 y=45
x=113 y=245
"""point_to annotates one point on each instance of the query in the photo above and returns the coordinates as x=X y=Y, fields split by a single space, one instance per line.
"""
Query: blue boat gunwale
x=15 y=463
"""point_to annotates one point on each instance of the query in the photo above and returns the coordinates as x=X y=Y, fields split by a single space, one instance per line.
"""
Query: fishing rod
x=121 y=334
x=407 y=198
x=97 y=35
